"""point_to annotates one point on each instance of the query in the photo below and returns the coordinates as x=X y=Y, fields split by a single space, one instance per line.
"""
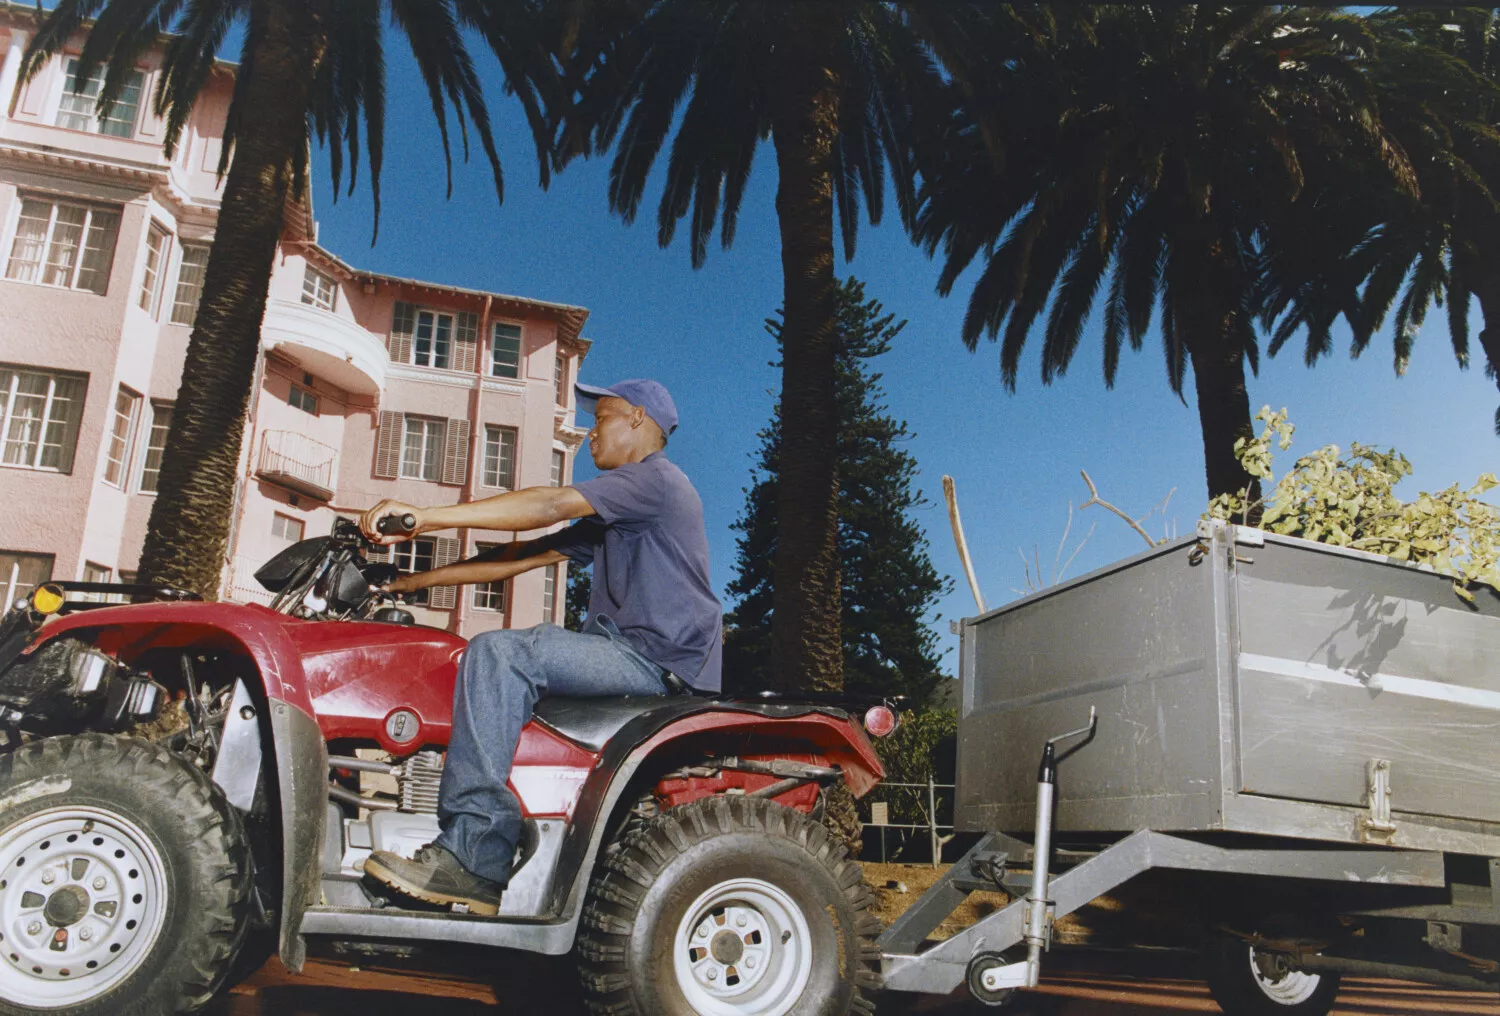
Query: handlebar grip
x=396 y=525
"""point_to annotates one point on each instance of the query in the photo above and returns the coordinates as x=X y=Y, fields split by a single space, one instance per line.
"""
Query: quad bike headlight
x=47 y=599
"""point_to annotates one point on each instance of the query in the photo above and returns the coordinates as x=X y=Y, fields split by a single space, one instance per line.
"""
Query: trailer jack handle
x=987 y=972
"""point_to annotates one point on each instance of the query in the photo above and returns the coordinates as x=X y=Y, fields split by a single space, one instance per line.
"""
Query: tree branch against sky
x=308 y=69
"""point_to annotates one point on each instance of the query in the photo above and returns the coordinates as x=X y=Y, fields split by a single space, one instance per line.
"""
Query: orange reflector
x=47 y=599
x=880 y=721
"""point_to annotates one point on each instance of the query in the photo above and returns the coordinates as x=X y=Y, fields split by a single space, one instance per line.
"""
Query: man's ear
x=637 y=416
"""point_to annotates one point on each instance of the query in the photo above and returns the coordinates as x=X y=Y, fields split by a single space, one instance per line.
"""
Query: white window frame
x=549 y=594
x=435 y=322
x=154 y=268
x=120 y=438
x=300 y=396
x=285 y=522
x=559 y=467
x=91 y=227
x=560 y=372
x=495 y=336
x=155 y=445
x=92 y=122
x=70 y=427
x=493 y=456
x=189 y=291
x=10 y=577
x=413 y=552
x=490 y=597
x=429 y=460
x=318 y=289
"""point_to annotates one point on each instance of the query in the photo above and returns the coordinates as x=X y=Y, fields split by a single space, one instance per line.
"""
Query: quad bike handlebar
x=396 y=525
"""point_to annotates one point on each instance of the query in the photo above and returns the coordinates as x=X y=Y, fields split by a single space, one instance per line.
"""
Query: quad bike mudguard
x=297 y=742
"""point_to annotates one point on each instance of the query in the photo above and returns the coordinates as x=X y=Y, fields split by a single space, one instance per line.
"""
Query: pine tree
x=576 y=603
x=889 y=583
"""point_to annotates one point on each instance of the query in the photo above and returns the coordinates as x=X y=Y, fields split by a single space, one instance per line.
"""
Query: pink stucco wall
x=338 y=355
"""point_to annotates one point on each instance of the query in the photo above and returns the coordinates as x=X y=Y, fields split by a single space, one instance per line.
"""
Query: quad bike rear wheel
x=124 y=880
x=729 y=906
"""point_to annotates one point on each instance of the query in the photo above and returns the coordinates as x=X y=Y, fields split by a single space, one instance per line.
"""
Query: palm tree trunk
x=1212 y=327
x=806 y=644
x=189 y=527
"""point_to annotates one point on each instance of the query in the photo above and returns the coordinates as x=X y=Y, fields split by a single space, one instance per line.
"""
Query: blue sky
x=1016 y=458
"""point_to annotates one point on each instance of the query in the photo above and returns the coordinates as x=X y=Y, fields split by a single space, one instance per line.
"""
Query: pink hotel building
x=368 y=386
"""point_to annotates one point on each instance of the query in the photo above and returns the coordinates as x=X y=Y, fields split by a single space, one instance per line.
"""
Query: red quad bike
x=180 y=777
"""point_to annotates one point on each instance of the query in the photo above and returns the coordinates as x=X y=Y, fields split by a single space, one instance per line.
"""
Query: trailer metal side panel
x=1344 y=660
x=1244 y=682
x=1136 y=641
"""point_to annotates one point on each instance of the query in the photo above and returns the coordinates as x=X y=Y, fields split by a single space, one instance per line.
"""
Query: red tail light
x=880 y=721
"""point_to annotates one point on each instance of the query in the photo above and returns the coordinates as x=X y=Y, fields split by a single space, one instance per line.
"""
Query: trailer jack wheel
x=979 y=966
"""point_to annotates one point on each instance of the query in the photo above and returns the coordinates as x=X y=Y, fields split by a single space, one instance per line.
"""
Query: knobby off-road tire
x=124 y=880
x=1245 y=985
x=729 y=905
x=841 y=817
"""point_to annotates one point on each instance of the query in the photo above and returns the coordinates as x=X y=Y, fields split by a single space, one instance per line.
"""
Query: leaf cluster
x=1350 y=501
x=923 y=745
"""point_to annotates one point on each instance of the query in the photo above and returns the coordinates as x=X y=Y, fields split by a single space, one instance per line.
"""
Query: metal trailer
x=1313 y=728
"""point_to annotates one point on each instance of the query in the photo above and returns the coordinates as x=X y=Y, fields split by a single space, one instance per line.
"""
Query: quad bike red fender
x=762 y=728
x=128 y=632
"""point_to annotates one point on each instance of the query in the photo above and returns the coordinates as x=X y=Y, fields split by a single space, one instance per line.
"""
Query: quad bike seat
x=593 y=722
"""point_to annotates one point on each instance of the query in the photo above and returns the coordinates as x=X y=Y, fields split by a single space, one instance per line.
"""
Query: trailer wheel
x=124 y=880
x=729 y=905
x=1246 y=981
x=995 y=998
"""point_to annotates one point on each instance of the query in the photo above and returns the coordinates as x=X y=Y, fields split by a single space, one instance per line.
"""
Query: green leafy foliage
x=889 y=586
x=1350 y=501
x=576 y=604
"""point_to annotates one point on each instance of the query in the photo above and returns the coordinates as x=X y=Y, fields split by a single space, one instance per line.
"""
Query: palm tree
x=835 y=85
x=307 y=67
x=1438 y=83
x=1152 y=154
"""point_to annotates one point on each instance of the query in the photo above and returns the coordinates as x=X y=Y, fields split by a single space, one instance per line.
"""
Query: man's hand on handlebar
x=393 y=531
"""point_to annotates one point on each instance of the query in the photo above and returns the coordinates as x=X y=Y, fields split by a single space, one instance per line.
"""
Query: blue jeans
x=500 y=678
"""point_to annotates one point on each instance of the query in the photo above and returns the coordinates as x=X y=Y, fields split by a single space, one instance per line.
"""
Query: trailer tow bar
x=989 y=976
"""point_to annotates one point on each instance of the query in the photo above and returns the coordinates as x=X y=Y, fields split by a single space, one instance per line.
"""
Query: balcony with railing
x=242 y=587
x=322 y=343
x=298 y=463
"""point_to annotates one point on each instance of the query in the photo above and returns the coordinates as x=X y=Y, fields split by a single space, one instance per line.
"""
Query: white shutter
x=403 y=323
x=445 y=551
x=456 y=452
x=466 y=342
x=388 y=445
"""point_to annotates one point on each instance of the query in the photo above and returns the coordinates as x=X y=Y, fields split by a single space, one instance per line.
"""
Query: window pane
x=20 y=573
x=158 y=244
x=31 y=240
x=559 y=464
x=78 y=109
x=561 y=374
x=549 y=594
x=28 y=406
x=505 y=350
x=62 y=251
x=303 y=400
x=442 y=342
x=122 y=428
x=156 y=445
x=317 y=288
x=432 y=452
x=411 y=557
x=422 y=449
x=286 y=529
x=41 y=414
x=411 y=448
x=99 y=251
x=500 y=457
x=489 y=595
x=189 y=284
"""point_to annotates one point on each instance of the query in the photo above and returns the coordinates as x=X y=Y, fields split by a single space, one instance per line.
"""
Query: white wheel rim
x=82 y=901
x=1285 y=987
x=743 y=948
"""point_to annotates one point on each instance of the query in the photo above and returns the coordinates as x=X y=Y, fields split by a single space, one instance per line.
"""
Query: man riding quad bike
x=179 y=775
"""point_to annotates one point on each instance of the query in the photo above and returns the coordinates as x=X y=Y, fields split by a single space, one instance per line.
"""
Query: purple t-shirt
x=649 y=550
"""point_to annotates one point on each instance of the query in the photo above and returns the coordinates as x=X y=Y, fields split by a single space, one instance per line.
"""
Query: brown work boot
x=435 y=876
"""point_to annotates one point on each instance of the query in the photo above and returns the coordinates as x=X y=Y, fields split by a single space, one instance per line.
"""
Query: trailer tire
x=133 y=869
x=767 y=877
x=1247 y=983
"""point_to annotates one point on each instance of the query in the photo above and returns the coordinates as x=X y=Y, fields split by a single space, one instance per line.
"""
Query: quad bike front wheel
x=124 y=880
x=729 y=906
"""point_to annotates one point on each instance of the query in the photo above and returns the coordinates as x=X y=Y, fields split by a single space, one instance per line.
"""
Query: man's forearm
x=475 y=571
x=517 y=511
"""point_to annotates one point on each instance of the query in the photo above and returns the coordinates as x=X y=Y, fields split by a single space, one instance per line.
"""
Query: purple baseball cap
x=643 y=392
